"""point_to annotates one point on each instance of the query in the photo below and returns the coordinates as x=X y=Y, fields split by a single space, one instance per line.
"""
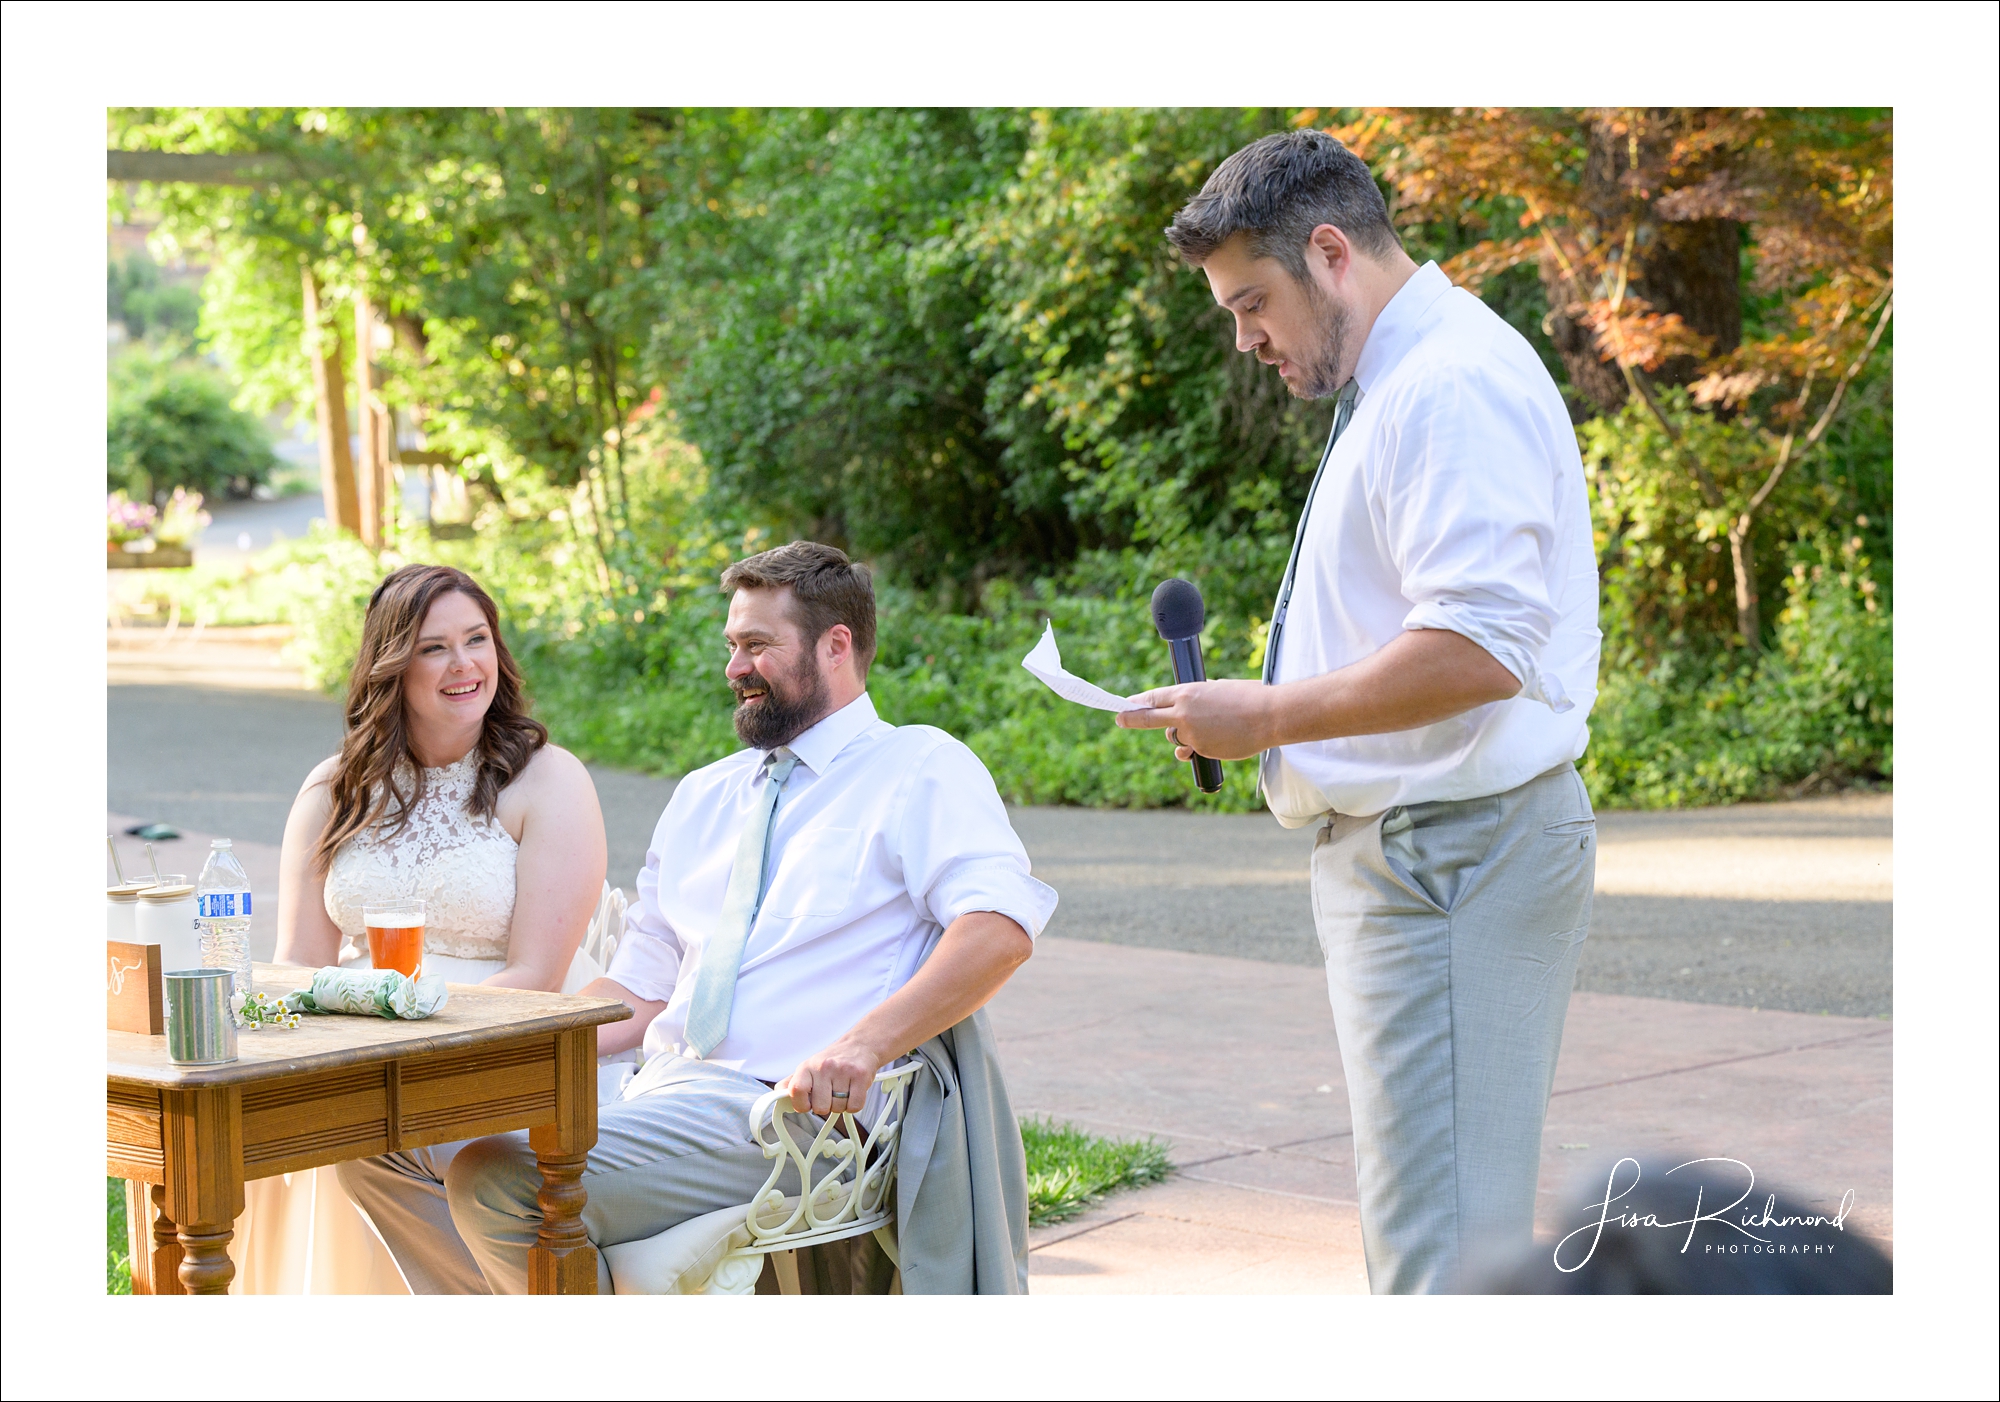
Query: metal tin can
x=201 y=1026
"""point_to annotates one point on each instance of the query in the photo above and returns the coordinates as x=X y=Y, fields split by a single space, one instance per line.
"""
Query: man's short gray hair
x=1278 y=189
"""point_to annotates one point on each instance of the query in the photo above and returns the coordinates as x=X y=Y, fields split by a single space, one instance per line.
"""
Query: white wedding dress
x=299 y=1233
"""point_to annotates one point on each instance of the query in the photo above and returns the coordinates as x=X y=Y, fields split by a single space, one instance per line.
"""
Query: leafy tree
x=1641 y=223
x=502 y=245
x=172 y=425
x=137 y=297
x=819 y=300
x=1116 y=384
x=957 y=342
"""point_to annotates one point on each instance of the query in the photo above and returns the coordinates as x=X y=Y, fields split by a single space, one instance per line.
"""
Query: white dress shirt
x=1455 y=499
x=883 y=836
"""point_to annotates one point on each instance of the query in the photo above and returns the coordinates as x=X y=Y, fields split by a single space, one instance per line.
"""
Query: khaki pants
x=1451 y=932
x=460 y=1218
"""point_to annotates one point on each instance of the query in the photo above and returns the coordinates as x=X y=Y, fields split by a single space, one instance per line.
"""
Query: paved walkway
x=1177 y=995
x=1233 y=1063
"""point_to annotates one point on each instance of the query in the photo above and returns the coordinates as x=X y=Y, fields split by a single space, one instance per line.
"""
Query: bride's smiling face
x=449 y=682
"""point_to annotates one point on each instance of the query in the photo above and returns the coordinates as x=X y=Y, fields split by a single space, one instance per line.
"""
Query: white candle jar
x=166 y=918
x=121 y=912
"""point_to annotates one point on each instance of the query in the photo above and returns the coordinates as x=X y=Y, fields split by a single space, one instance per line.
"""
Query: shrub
x=172 y=425
x=1818 y=706
x=137 y=297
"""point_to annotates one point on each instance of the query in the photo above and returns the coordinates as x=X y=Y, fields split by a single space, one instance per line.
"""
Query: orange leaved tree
x=1649 y=227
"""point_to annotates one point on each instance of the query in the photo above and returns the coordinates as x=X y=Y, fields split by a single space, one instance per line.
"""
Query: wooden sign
x=137 y=1002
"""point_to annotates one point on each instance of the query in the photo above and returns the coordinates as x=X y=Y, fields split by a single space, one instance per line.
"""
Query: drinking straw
x=155 y=861
x=116 y=865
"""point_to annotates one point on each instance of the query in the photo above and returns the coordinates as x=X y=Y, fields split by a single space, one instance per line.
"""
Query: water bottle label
x=222 y=904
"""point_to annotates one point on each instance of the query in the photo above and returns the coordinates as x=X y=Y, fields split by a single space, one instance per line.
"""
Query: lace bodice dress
x=461 y=867
x=299 y=1233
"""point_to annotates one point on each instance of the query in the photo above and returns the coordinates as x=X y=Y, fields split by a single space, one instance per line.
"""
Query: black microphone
x=1178 y=614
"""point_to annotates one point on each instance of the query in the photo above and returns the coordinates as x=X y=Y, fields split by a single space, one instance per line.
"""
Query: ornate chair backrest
x=855 y=1189
x=607 y=926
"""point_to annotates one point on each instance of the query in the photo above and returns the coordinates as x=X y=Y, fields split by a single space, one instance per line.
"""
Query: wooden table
x=341 y=1087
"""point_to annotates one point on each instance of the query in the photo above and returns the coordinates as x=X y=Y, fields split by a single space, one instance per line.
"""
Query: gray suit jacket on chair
x=962 y=1183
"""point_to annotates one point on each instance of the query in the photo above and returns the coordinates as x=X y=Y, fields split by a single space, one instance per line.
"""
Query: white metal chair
x=606 y=928
x=600 y=942
x=852 y=1176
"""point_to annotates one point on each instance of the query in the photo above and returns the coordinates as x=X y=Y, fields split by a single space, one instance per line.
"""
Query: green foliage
x=1819 y=706
x=252 y=321
x=955 y=342
x=327 y=579
x=1685 y=714
x=819 y=297
x=117 y=1245
x=171 y=424
x=1069 y=1170
x=1116 y=385
x=138 y=297
x=1664 y=565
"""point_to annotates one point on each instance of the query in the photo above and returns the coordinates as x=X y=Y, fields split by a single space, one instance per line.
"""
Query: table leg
x=163 y=1268
x=202 y=1143
x=205 y=1265
x=562 y=1261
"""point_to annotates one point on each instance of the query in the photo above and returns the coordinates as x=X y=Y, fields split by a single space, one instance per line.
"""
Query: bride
x=447 y=791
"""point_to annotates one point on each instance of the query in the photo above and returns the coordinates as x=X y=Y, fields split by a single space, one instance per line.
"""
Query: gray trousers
x=1451 y=932
x=460 y=1218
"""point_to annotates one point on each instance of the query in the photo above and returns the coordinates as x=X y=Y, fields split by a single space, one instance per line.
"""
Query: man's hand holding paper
x=1046 y=663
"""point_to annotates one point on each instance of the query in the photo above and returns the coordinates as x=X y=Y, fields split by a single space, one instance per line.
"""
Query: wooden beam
x=206 y=167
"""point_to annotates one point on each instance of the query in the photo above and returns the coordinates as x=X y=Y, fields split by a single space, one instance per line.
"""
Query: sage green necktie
x=1343 y=410
x=722 y=955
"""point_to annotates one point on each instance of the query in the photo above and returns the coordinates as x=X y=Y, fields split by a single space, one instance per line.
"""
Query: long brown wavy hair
x=367 y=786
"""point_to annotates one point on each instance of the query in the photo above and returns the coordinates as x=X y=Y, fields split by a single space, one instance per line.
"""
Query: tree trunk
x=1691 y=267
x=336 y=462
x=1743 y=561
x=369 y=474
x=1694 y=267
x=1594 y=379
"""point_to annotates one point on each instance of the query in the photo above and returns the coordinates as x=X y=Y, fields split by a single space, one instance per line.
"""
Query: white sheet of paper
x=1046 y=663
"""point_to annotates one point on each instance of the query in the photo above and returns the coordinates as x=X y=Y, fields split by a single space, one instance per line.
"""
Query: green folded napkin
x=383 y=992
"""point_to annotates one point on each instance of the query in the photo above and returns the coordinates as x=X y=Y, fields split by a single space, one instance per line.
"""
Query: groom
x=812 y=908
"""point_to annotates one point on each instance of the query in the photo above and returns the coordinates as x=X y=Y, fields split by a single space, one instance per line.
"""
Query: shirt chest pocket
x=815 y=874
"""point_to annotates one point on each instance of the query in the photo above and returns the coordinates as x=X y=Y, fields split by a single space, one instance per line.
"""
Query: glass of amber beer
x=396 y=936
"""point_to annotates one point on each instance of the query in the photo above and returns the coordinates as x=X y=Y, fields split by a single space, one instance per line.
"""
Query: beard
x=1326 y=368
x=786 y=711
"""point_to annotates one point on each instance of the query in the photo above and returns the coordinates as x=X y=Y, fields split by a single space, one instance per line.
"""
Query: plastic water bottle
x=222 y=910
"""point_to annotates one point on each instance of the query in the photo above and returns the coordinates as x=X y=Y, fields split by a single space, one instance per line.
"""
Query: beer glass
x=396 y=935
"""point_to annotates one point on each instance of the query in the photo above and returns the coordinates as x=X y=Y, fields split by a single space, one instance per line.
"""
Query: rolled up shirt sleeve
x=1470 y=521
x=958 y=851
x=648 y=960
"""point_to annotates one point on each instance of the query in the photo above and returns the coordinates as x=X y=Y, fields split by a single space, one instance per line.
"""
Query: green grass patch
x=117 y=1246
x=1069 y=1170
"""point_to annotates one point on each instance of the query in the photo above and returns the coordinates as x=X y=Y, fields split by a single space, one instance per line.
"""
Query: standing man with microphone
x=1429 y=667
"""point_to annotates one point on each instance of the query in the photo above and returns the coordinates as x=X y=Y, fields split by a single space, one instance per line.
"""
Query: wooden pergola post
x=371 y=474
x=336 y=462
